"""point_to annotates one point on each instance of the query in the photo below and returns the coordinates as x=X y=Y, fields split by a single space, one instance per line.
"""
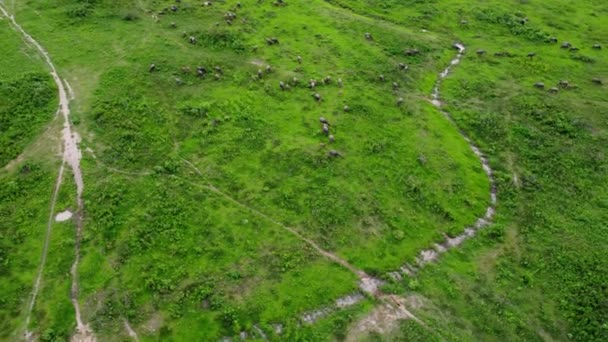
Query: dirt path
x=432 y=254
x=391 y=308
x=384 y=318
x=71 y=157
x=130 y=331
x=367 y=283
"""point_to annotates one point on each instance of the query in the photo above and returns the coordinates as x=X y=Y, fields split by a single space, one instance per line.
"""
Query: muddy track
x=71 y=157
x=130 y=331
x=386 y=316
x=432 y=254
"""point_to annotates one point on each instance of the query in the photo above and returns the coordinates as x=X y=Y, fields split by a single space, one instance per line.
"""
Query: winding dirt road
x=385 y=317
x=430 y=255
x=71 y=157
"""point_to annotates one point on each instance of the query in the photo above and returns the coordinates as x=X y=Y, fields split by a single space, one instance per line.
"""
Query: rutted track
x=430 y=255
x=71 y=157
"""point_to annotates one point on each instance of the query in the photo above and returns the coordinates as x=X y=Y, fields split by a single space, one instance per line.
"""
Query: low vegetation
x=203 y=141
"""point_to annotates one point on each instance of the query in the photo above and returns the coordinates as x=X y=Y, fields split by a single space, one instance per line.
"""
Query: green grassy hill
x=208 y=175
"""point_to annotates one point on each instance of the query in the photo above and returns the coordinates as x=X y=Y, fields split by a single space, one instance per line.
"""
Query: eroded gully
x=71 y=157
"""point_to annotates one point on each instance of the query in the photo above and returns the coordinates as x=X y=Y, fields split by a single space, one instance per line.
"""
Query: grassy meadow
x=539 y=272
x=191 y=177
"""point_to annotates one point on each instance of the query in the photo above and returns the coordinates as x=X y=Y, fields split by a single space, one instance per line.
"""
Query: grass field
x=539 y=272
x=191 y=181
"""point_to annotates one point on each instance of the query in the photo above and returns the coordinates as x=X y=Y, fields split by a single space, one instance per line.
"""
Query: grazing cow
x=323 y=120
x=327 y=80
x=553 y=40
x=422 y=159
x=395 y=85
x=317 y=96
x=312 y=84
x=346 y=108
x=334 y=153
x=539 y=85
x=268 y=69
x=230 y=15
x=412 y=52
x=400 y=101
x=566 y=45
x=331 y=138
x=597 y=46
x=340 y=82
x=201 y=71
x=481 y=52
x=192 y=40
x=152 y=67
x=531 y=54
x=553 y=90
x=368 y=36
x=381 y=77
x=325 y=129
x=597 y=81
x=564 y=84
x=272 y=41
x=299 y=59
x=403 y=66
x=282 y=85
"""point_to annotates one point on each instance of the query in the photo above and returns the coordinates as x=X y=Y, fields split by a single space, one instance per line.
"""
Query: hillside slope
x=249 y=166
